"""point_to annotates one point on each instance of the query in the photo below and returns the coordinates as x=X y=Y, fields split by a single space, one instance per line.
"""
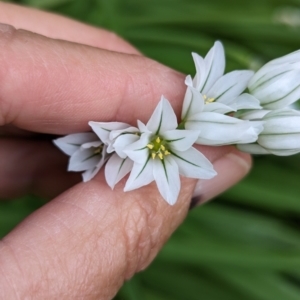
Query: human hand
x=89 y=239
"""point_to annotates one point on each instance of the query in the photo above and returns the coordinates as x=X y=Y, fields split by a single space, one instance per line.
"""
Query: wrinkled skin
x=85 y=242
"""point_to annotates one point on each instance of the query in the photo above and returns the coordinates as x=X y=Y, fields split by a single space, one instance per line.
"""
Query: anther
x=98 y=150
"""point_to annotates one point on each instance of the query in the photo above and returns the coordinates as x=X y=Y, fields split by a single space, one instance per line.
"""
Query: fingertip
x=231 y=168
x=60 y=27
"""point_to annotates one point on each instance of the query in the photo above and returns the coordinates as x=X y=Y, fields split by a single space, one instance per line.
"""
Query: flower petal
x=167 y=178
x=218 y=129
x=281 y=134
x=219 y=108
x=247 y=101
x=193 y=164
x=193 y=103
x=253 y=149
x=69 y=144
x=276 y=85
x=253 y=114
x=84 y=159
x=91 y=173
x=201 y=74
x=117 y=168
x=115 y=133
x=229 y=86
x=95 y=144
x=214 y=66
x=280 y=91
x=276 y=101
x=251 y=135
x=141 y=174
x=283 y=121
x=163 y=118
x=181 y=139
x=142 y=127
x=103 y=129
x=123 y=141
x=293 y=57
x=281 y=144
x=267 y=74
x=138 y=151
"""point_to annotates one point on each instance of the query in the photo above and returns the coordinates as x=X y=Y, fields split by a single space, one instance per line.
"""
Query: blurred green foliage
x=245 y=244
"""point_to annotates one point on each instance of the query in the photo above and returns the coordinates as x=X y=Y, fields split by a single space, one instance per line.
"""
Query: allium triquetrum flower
x=116 y=136
x=216 y=128
x=163 y=152
x=277 y=84
x=87 y=153
x=221 y=93
x=281 y=134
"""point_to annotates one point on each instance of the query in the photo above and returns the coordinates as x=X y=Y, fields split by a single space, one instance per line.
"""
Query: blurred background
x=246 y=243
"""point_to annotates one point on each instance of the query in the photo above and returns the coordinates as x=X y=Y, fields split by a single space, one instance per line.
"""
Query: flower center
x=98 y=150
x=157 y=148
x=208 y=100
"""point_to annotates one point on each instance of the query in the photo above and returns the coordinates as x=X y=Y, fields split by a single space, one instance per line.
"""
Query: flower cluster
x=241 y=107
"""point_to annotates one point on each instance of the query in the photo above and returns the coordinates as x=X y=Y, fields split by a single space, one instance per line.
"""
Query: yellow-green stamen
x=208 y=100
x=157 y=148
x=98 y=150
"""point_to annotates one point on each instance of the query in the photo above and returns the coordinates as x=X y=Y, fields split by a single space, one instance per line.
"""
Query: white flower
x=210 y=68
x=211 y=95
x=281 y=134
x=116 y=136
x=216 y=128
x=163 y=152
x=277 y=84
x=220 y=92
x=87 y=153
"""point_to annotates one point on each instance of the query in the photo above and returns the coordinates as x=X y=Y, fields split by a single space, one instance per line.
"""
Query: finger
x=33 y=167
x=57 y=87
x=37 y=167
x=10 y=130
x=59 y=27
x=231 y=168
x=86 y=242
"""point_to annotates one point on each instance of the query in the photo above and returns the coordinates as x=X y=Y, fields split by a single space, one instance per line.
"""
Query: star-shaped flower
x=221 y=93
x=116 y=136
x=163 y=152
x=216 y=128
x=87 y=153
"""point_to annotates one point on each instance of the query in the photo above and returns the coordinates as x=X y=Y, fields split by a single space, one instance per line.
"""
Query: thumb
x=87 y=241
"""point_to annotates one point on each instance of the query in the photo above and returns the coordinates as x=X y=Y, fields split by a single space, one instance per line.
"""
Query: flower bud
x=280 y=136
x=281 y=133
x=277 y=84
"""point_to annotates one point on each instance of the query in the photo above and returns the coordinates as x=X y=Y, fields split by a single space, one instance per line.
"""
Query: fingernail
x=198 y=188
x=231 y=168
x=195 y=202
x=239 y=161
